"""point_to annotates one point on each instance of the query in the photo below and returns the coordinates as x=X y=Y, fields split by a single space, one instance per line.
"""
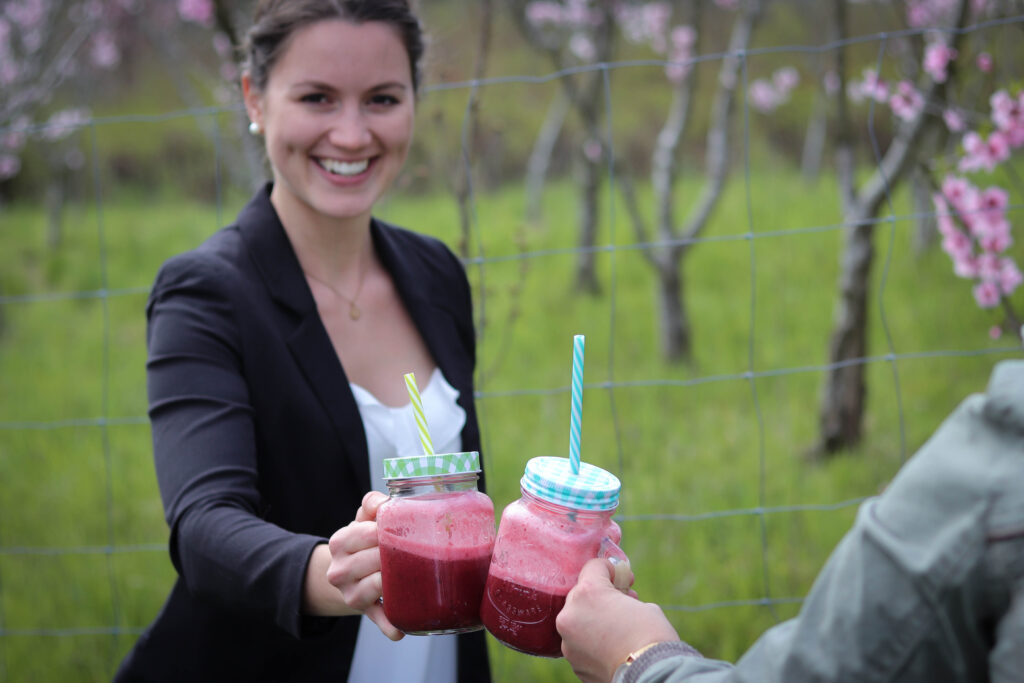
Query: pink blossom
x=1007 y=111
x=538 y=13
x=992 y=204
x=922 y=13
x=104 y=52
x=9 y=166
x=958 y=246
x=906 y=103
x=989 y=267
x=222 y=44
x=986 y=294
x=763 y=96
x=682 y=39
x=228 y=71
x=872 y=86
x=578 y=13
x=831 y=82
x=937 y=57
x=1010 y=276
x=1008 y=115
x=9 y=72
x=954 y=120
x=984 y=154
x=581 y=46
x=960 y=193
x=965 y=266
x=785 y=79
x=996 y=238
x=984 y=62
x=63 y=123
x=995 y=332
x=592 y=149
x=196 y=11
x=27 y=14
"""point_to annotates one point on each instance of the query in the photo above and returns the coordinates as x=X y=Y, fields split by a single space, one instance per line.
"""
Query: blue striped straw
x=417 y=409
x=576 y=413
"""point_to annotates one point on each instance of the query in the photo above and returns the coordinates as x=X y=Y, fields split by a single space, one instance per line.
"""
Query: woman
x=277 y=351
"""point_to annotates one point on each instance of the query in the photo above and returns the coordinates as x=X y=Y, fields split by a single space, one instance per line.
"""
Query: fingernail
x=614 y=560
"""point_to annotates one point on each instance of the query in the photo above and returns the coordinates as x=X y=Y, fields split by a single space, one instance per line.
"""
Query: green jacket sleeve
x=928 y=585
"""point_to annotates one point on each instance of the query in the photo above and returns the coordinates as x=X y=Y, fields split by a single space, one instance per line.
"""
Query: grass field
x=82 y=564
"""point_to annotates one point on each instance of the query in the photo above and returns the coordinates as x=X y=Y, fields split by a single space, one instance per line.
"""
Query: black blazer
x=260 y=451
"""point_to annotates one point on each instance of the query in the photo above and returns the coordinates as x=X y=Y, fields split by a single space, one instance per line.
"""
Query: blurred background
x=785 y=227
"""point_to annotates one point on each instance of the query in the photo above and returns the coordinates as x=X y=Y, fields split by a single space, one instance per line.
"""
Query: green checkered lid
x=431 y=465
x=553 y=480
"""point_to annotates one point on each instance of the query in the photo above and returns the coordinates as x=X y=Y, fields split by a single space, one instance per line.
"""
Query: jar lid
x=553 y=480
x=431 y=465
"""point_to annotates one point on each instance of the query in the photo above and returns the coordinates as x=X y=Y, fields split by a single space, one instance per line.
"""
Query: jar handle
x=613 y=553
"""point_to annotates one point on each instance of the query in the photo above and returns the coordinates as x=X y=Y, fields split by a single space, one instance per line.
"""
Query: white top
x=391 y=433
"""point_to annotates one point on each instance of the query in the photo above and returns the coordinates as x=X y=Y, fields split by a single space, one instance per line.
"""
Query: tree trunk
x=471 y=129
x=55 y=196
x=814 y=140
x=843 y=404
x=540 y=156
x=586 y=274
x=844 y=393
x=925 y=227
x=674 y=326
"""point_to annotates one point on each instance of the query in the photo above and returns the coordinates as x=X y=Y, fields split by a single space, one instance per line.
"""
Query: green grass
x=75 y=490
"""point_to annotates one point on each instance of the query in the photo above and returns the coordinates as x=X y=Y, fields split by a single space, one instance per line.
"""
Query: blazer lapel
x=433 y=322
x=307 y=339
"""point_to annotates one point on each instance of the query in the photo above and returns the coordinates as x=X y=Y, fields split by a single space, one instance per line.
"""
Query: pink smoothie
x=535 y=564
x=434 y=552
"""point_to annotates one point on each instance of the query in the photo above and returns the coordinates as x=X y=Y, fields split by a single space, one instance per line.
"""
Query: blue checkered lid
x=431 y=465
x=553 y=480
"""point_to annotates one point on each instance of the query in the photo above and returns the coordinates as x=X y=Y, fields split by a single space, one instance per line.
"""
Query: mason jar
x=436 y=534
x=545 y=537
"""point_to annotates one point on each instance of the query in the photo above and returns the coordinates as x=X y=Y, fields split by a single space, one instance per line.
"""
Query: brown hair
x=275 y=21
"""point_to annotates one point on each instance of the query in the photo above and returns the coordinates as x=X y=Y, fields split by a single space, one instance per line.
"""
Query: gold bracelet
x=620 y=671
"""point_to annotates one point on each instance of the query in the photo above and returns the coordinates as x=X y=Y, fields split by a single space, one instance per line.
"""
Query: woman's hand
x=602 y=622
x=355 y=564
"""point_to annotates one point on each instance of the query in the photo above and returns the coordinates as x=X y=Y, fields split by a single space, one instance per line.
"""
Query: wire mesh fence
x=702 y=448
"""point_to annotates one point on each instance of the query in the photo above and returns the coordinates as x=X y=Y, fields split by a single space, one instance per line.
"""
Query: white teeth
x=344 y=167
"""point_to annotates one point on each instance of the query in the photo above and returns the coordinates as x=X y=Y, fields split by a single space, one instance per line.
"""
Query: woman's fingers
x=376 y=614
x=355 y=564
x=372 y=501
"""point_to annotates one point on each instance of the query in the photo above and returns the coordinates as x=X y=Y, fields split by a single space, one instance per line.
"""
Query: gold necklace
x=353 y=309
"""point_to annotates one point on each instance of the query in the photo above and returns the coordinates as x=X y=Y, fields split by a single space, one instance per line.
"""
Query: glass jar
x=436 y=534
x=544 y=539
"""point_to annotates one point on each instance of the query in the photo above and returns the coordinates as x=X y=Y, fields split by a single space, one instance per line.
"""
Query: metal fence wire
x=106 y=424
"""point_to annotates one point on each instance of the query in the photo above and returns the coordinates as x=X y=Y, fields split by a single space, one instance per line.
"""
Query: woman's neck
x=335 y=251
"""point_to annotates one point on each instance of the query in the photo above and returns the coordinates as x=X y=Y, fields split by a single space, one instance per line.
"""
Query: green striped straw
x=417 y=409
x=576 y=412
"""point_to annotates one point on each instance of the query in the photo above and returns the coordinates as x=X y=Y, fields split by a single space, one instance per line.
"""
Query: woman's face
x=337 y=113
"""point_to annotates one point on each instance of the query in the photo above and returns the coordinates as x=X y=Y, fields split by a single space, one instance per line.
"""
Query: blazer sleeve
x=205 y=449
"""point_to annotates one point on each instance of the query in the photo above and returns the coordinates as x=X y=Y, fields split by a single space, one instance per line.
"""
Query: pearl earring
x=254 y=128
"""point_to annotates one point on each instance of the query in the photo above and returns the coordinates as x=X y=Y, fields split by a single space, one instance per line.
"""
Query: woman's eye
x=314 y=98
x=384 y=100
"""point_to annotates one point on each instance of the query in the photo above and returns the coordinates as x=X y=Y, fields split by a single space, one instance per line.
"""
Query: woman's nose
x=349 y=129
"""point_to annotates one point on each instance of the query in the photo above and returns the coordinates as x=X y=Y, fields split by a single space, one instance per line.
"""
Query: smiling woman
x=260 y=341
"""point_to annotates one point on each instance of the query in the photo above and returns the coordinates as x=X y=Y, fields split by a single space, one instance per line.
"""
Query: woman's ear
x=252 y=101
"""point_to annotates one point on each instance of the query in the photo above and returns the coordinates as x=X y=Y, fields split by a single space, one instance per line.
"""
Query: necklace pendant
x=353 y=311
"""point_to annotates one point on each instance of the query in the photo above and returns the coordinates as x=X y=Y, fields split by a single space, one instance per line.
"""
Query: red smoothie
x=431 y=594
x=434 y=554
x=522 y=618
